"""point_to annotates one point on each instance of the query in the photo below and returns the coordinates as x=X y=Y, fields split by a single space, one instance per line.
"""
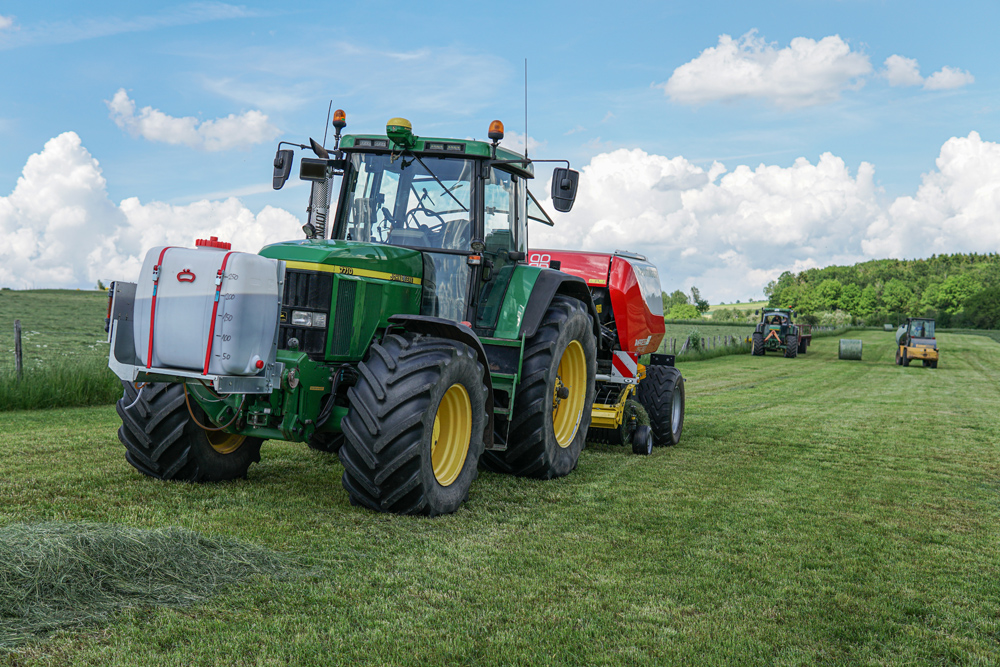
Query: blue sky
x=700 y=127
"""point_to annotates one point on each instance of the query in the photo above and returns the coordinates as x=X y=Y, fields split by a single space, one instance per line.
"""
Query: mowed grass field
x=816 y=512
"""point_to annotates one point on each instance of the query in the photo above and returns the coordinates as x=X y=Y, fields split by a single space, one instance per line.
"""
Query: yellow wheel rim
x=571 y=382
x=225 y=443
x=452 y=433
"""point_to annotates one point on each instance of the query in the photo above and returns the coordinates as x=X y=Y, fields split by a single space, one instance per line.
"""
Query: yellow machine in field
x=915 y=340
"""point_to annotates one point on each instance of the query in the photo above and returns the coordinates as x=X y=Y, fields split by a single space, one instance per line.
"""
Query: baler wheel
x=551 y=408
x=162 y=441
x=758 y=344
x=413 y=433
x=662 y=394
x=791 y=346
x=899 y=359
x=642 y=441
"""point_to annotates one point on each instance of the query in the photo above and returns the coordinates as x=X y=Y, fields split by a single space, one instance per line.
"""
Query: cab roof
x=438 y=147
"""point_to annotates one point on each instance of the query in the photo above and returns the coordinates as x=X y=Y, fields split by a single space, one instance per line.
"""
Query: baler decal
x=352 y=271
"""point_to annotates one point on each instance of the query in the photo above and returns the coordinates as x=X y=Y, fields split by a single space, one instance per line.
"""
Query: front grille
x=343 y=321
x=309 y=291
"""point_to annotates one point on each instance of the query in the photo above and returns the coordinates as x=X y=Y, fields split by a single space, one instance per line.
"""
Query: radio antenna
x=525 y=109
x=326 y=128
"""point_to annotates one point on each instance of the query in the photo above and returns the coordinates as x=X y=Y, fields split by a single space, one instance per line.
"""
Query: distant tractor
x=627 y=297
x=776 y=332
x=915 y=340
x=406 y=332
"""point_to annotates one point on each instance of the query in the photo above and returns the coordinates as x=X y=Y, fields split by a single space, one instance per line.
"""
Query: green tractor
x=776 y=333
x=405 y=332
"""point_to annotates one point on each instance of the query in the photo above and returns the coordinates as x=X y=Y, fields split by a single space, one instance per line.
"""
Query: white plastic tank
x=246 y=321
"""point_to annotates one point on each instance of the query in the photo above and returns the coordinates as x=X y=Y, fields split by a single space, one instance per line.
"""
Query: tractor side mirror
x=282 y=166
x=564 y=184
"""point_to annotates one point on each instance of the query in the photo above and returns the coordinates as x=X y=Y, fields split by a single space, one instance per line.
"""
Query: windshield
x=401 y=201
x=922 y=329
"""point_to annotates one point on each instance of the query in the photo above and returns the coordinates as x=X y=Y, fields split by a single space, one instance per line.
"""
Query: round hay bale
x=850 y=348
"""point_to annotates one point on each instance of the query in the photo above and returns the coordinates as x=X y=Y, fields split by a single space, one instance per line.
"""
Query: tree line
x=959 y=290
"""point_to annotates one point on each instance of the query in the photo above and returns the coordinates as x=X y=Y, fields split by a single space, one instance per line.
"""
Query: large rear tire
x=413 y=433
x=661 y=393
x=757 y=348
x=791 y=346
x=163 y=441
x=554 y=398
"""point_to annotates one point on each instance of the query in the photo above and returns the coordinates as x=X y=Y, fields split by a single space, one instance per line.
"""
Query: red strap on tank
x=215 y=311
x=152 y=307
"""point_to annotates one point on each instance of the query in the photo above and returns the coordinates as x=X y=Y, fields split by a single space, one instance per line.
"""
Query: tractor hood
x=365 y=260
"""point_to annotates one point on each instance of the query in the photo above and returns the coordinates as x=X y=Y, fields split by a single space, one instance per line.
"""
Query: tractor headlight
x=302 y=318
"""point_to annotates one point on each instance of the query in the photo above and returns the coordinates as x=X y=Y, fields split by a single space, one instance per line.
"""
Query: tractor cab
x=461 y=206
x=777 y=320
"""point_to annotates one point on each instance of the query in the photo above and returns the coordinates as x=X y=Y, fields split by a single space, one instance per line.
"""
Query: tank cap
x=213 y=242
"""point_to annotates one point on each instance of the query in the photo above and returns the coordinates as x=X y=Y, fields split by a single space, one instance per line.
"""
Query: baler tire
x=410 y=388
x=791 y=346
x=328 y=443
x=661 y=393
x=899 y=359
x=163 y=441
x=757 y=348
x=642 y=441
x=533 y=447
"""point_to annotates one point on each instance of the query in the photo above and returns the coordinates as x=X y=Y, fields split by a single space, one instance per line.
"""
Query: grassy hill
x=816 y=511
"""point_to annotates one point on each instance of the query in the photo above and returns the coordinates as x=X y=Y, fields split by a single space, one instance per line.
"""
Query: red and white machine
x=626 y=290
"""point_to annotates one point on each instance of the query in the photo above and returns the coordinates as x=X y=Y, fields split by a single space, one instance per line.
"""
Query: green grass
x=816 y=511
x=55 y=325
x=65 y=355
x=749 y=305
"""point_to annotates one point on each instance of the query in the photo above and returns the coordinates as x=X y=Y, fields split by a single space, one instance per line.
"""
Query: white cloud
x=729 y=233
x=59 y=229
x=6 y=22
x=900 y=71
x=250 y=127
x=807 y=72
x=955 y=208
x=947 y=78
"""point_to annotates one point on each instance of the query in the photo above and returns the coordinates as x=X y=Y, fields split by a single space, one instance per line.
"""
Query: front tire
x=661 y=393
x=757 y=348
x=554 y=397
x=163 y=441
x=906 y=359
x=413 y=433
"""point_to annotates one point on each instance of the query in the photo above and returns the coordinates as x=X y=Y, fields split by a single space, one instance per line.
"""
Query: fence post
x=17 y=349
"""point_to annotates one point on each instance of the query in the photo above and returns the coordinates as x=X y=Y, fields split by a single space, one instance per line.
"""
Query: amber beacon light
x=496 y=131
